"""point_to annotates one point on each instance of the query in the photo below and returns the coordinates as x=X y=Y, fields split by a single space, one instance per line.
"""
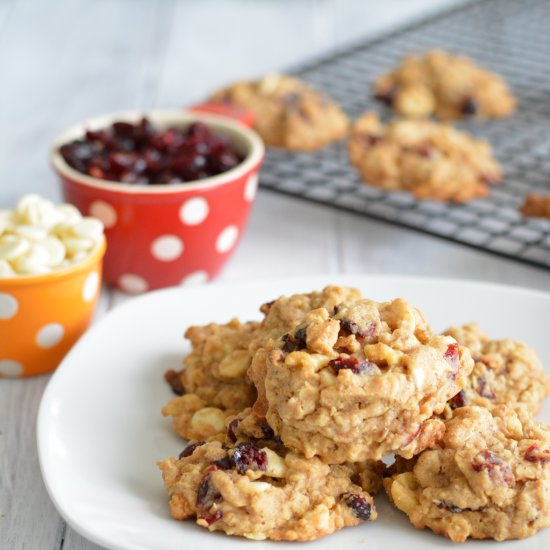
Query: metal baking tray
x=511 y=37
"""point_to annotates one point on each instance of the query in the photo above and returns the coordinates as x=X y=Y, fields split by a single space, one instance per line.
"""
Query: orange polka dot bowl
x=42 y=316
x=162 y=235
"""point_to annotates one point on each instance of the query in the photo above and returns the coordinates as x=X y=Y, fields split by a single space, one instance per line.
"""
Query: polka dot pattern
x=50 y=335
x=195 y=278
x=194 y=211
x=104 y=212
x=133 y=284
x=8 y=306
x=226 y=239
x=10 y=368
x=167 y=248
x=251 y=187
x=90 y=287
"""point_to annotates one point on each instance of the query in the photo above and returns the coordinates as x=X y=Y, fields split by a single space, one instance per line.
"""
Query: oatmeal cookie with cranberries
x=281 y=316
x=428 y=159
x=444 y=85
x=248 y=427
x=506 y=372
x=488 y=478
x=537 y=206
x=360 y=381
x=213 y=385
x=288 y=113
x=260 y=491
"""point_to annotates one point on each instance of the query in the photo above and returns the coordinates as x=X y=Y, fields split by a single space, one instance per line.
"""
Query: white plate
x=100 y=430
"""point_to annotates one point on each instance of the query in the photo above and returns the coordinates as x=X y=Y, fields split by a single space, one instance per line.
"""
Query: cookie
x=506 y=372
x=428 y=159
x=214 y=381
x=446 y=86
x=361 y=380
x=537 y=206
x=288 y=113
x=282 y=316
x=488 y=478
x=247 y=489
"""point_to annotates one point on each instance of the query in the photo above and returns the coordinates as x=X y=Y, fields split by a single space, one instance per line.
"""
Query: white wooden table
x=64 y=60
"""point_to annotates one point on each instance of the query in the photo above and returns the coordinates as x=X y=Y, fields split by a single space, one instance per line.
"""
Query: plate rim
x=339 y=279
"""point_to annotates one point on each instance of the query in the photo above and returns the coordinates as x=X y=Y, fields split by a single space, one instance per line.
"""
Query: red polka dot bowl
x=42 y=316
x=165 y=235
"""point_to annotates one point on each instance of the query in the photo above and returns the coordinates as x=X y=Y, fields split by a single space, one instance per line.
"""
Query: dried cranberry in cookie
x=506 y=372
x=488 y=478
x=260 y=494
x=431 y=160
x=444 y=85
x=288 y=113
x=352 y=395
x=283 y=319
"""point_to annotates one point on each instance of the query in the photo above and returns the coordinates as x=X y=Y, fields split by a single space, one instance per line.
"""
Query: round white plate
x=100 y=430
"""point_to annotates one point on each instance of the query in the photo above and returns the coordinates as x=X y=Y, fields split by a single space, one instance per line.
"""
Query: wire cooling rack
x=511 y=37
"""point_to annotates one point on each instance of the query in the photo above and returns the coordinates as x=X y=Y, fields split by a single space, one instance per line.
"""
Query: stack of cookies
x=287 y=421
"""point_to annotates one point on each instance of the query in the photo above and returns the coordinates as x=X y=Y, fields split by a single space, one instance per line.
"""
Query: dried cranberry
x=359 y=505
x=483 y=389
x=224 y=463
x=469 y=106
x=451 y=355
x=387 y=96
x=190 y=449
x=448 y=505
x=535 y=454
x=231 y=429
x=357 y=366
x=140 y=154
x=247 y=456
x=458 y=401
x=207 y=497
x=498 y=469
x=295 y=342
x=424 y=151
x=173 y=378
x=267 y=430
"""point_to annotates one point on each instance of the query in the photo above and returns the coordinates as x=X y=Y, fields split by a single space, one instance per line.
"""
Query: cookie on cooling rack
x=447 y=86
x=431 y=160
x=537 y=206
x=288 y=113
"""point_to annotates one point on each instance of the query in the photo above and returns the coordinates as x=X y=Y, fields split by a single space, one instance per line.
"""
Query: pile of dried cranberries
x=142 y=154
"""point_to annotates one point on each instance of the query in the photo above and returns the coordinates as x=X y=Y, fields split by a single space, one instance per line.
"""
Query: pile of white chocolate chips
x=39 y=237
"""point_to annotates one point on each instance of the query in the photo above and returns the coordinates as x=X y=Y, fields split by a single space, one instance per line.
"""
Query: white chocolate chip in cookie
x=208 y=421
x=235 y=364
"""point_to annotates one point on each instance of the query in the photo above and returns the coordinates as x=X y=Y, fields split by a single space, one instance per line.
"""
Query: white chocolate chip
x=55 y=249
x=276 y=466
x=30 y=232
x=12 y=247
x=73 y=245
x=38 y=237
x=89 y=228
x=235 y=364
x=70 y=213
x=6 y=270
x=208 y=421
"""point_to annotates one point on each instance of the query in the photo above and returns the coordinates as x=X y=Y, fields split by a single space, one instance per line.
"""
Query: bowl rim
x=44 y=278
x=255 y=154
